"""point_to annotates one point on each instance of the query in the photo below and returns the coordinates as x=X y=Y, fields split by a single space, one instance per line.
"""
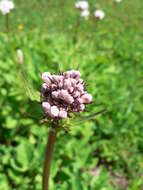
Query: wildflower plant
x=61 y=96
x=83 y=7
x=96 y=145
x=6 y=6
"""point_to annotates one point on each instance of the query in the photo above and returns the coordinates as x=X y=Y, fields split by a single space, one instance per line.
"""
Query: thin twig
x=7 y=23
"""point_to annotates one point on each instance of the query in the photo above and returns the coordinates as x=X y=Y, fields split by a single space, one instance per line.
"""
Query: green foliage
x=104 y=152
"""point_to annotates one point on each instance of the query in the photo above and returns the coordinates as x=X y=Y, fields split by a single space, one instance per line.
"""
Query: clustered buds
x=20 y=56
x=63 y=94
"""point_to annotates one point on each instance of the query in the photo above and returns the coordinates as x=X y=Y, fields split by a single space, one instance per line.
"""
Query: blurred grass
x=104 y=153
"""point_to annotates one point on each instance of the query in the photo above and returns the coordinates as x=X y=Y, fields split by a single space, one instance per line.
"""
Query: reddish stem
x=48 y=158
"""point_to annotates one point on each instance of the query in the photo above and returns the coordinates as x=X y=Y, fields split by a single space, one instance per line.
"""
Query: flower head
x=85 y=14
x=82 y=5
x=6 y=6
x=64 y=93
x=99 y=14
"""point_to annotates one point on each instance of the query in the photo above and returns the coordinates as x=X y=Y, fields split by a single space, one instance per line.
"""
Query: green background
x=103 y=153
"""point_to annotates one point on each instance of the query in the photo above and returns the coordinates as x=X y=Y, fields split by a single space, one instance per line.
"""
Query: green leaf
x=24 y=156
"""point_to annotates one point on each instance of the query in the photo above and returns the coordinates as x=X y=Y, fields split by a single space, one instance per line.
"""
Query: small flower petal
x=46 y=106
x=86 y=98
x=46 y=77
x=54 y=111
x=63 y=114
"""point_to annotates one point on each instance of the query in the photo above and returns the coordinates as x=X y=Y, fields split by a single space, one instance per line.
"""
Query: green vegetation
x=103 y=153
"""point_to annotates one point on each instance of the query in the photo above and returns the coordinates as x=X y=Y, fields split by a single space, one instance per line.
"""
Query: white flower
x=118 y=1
x=85 y=14
x=6 y=6
x=99 y=14
x=82 y=5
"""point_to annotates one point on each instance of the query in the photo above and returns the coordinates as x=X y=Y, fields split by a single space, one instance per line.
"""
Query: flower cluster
x=83 y=7
x=99 y=14
x=64 y=93
x=6 y=6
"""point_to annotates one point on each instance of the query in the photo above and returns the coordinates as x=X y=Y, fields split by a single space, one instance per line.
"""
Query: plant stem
x=7 y=23
x=76 y=28
x=48 y=158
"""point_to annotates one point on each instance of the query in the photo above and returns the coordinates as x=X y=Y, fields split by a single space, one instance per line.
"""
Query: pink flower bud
x=71 y=89
x=55 y=94
x=81 y=107
x=72 y=74
x=63 y=114
x=44 y=86
x=60 y=81
x=54 y=87
x=73 y=82
x=46 y=106
x=67 y=83
x=80 y=81
x=79 y=100
x=61 y=78
x=75 y=110
x=69 y=99
x=86 y=98
x=55 y=78
x=75 y=74
x=54 y=111
x=80 y=87
x=67 y=74
x=76 y=94
x=60 y=84
x=63 y=94
x=46 y=78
